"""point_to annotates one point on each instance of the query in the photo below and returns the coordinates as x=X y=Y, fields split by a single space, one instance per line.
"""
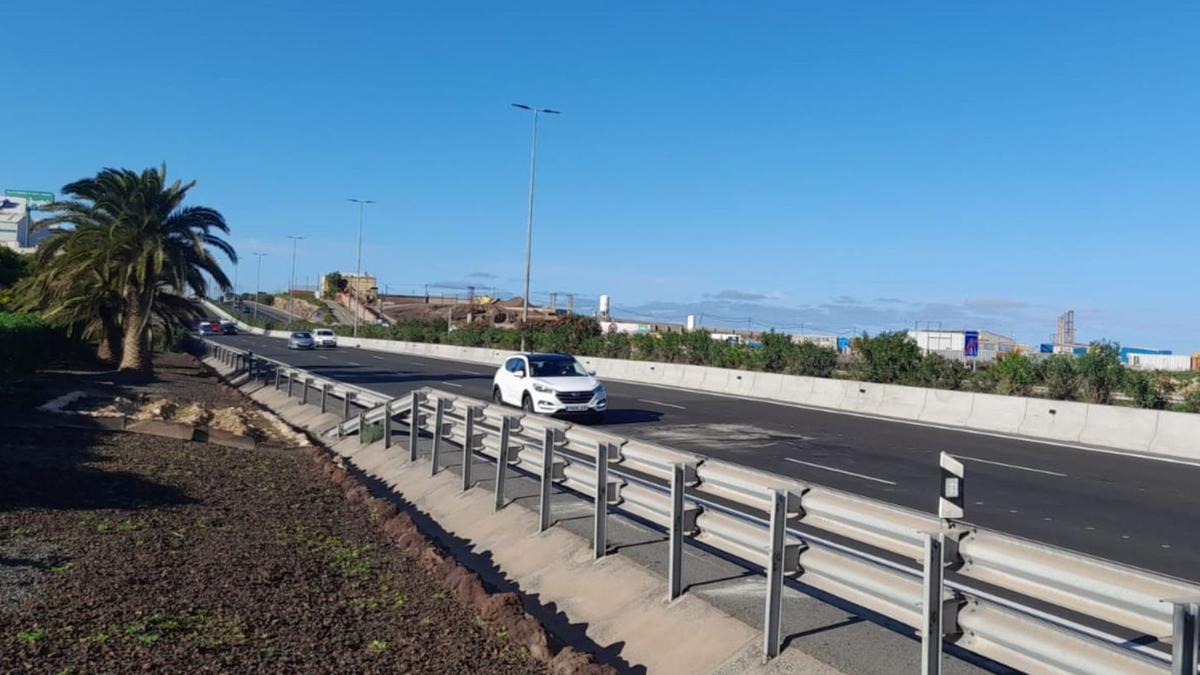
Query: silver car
x=301 y=340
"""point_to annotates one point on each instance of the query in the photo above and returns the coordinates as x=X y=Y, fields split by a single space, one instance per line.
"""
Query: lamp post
x=258 y=284
x=529 y=221
x=362 y=204
x=292 y=281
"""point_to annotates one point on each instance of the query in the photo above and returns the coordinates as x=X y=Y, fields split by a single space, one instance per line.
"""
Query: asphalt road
x=1136 y=510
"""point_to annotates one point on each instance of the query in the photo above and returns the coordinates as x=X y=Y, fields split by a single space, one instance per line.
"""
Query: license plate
x=576 y=408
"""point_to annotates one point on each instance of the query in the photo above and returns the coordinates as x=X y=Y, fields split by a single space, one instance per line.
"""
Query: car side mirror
x=518 y=373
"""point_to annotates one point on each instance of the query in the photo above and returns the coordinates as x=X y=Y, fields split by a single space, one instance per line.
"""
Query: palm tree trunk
x=109 y=349
x=135 y=347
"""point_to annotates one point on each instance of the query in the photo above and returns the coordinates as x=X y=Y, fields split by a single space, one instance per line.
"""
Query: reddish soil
x=123 y=552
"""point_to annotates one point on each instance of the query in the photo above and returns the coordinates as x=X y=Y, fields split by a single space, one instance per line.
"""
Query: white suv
x=549 y=384
x=323 y=337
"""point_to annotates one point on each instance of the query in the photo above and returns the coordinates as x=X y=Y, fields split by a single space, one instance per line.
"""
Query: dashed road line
x=451 y=384
x=472 y=372
x=1012 y=466
x=380 y=358
x=848 y=473
x=669 y=405
x=326 y=358
x=352 y=363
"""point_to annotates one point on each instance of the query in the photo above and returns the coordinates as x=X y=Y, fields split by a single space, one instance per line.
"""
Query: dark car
x=228 y=328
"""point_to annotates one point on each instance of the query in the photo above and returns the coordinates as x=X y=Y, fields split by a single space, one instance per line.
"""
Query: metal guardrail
x=753 y=516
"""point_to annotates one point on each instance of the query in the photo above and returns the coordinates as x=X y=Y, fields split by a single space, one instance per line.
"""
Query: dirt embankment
x=126 y=551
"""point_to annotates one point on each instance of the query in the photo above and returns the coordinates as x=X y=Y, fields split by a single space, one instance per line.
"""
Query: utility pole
x=236 y=300
x=292 y=281
x=362 y=203
x=529 y=221
x=258 y=284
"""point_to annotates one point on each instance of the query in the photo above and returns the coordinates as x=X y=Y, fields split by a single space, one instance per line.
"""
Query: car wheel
x=497 y=397
x=527 y=403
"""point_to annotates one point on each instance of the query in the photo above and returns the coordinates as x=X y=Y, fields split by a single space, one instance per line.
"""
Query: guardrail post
x=387 y=425
x=547 y=481
x=675 y=557
x=277 y=378
x=347 y=398
x=600 y=518
x=1185 y=634
x=931 y=633
x=250 y=362
x=468 y=443
x=362 y=427
x=414 y=426
x=308 y=381
x=325 y=397
x=502 y=460
x=773 y=622
x=438 y=415
x=290 y=378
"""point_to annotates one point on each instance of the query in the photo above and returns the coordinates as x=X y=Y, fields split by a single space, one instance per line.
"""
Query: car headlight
x=541 y=388
x=599 y=391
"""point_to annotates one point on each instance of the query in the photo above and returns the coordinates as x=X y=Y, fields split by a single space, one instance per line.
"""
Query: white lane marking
x=1013 y=466
x=377 y=357
x=848 y=473
x=352 y=363
x=931 y=425
x=669 y=405
x=451 y=384
x=472 y=372
x=326 y=358
x=1166 y=545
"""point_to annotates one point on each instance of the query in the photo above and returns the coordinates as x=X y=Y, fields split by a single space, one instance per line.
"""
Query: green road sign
x=34 y=197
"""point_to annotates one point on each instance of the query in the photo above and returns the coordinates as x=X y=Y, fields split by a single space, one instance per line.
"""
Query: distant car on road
x=324 y=337
x=228 y=328
x=551 y=384
x=301 y=340
x=208 y=327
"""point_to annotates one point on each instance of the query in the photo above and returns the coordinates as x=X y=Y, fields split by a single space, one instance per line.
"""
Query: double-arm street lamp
x=362 y=204
x=529 y=223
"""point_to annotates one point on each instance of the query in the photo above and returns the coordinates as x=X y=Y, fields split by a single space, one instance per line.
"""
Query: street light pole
x=292 y=281
x=529 y=220
x=258 y=284
x=362 y=203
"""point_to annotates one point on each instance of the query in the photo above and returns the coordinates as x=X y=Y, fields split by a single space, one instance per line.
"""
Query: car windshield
x=302 y=336
x=553 y=365
x=324 y=333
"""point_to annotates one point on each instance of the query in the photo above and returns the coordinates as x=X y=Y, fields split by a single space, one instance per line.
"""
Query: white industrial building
x=952 y=344
x=15 y=223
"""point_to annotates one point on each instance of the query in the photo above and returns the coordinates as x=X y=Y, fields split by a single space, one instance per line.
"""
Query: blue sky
x=844 y=166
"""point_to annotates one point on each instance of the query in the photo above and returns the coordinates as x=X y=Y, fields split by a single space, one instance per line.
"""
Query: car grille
x=574 y=397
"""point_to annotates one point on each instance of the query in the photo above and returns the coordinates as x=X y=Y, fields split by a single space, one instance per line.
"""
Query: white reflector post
x=950 y=503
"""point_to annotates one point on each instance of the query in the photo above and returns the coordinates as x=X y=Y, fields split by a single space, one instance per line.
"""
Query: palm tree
x=134 y=248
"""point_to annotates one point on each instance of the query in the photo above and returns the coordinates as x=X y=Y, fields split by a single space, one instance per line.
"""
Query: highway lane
x=1136 y=510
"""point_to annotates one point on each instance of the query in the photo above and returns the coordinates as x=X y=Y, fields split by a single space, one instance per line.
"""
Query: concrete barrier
x=947 y=407
x=1126 y=428
x=796 y=389
x=991 y=412
x=1178 y=435
x=715 y=379
x=1055 y=420
x=739 y=383
x=828 y=393
x=767 y=386
x=902 y=402
x=693 y=377
x=863 y=397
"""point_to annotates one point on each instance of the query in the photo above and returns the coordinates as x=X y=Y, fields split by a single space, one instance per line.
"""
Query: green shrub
x=1148 y=390
x=1191 y=400
x=1100 y=371
x=942 y=373
x=1060 y=377
x=889 y=357
x=27 y=343
x=1014 y=374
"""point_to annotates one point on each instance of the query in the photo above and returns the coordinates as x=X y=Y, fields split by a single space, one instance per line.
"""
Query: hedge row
x=26 y=343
